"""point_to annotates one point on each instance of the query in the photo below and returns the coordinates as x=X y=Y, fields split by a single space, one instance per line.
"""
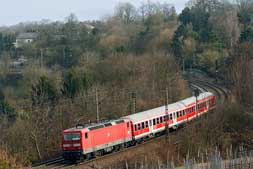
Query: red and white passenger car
x=96 y=139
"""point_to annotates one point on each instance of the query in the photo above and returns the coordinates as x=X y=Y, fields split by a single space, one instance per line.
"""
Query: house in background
x=25 y=38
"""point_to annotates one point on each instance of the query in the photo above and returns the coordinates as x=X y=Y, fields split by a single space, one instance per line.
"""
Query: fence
x=241 y=160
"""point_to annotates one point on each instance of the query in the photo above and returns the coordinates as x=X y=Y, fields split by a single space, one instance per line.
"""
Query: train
x=87 y=141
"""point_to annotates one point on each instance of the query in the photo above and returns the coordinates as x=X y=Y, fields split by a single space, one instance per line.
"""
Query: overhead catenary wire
x=92 y=97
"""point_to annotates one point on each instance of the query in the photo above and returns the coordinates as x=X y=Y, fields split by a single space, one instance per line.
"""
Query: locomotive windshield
x=71 y=136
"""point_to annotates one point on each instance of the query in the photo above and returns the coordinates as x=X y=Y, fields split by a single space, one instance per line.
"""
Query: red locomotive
x=84 y=142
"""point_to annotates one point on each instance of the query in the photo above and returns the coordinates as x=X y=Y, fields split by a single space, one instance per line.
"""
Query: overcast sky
x=16 y=11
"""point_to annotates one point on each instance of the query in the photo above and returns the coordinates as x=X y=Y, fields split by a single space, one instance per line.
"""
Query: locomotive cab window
x=127 y=124
x=86 y=135
x=71 y=136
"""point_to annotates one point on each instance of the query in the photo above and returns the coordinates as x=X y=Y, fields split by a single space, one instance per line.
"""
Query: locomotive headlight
x=66 y=145
x=77 y=145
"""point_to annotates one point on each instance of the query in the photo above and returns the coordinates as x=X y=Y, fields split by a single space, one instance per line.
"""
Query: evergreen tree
x=72 y=84
x=5 y=108
x=176 y=43
x=43 y=91
x=185 y=16
x=247 y=35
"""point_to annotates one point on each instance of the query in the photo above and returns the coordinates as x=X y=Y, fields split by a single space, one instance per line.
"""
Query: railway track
x=221 y=93
x=59 y=163
x=92 y=162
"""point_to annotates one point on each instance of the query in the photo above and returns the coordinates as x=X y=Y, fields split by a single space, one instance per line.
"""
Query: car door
x=150 y=125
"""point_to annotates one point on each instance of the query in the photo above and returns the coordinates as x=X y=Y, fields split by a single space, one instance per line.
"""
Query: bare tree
x=126 y=12
x=225 y=23
x=207 y=5
x=245 y=10
x=240 y=73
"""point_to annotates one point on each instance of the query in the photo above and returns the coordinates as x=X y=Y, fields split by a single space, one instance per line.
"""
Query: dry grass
x=8 y=162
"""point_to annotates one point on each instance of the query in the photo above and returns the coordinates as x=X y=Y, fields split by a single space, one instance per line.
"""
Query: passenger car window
x=165 y=118
x=146 y=124
x=139 y=126
x=142 y=125
x=170 y=116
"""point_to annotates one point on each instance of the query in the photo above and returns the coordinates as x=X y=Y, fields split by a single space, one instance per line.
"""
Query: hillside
x=122 y=64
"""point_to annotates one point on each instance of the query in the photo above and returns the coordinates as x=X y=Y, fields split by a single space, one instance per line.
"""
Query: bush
x=8 y=162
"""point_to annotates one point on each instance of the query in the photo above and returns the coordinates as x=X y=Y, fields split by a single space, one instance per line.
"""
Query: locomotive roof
x=94 y=126
x=177 y=106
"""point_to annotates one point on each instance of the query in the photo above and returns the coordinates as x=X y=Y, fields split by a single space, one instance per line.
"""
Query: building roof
x=28 y=35
x=88 y=26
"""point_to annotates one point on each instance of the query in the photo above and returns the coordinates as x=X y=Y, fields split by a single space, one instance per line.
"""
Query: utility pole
x=97 y=104
x=63 y=52
x=216 y=70
x=196 y=94
x=166 y=111
x=183 y=66
x=41 y=58
x=134 y=102
x=170 y=90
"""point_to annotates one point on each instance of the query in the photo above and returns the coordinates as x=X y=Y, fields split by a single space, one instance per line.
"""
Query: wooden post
x=97 y=105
